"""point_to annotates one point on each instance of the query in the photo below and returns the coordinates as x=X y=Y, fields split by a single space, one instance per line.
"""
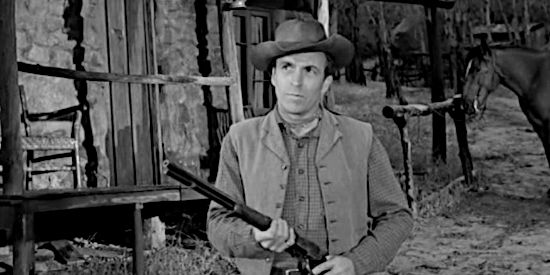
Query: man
x=317 y=174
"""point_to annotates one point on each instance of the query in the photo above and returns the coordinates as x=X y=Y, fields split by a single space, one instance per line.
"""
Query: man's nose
x=297 y=77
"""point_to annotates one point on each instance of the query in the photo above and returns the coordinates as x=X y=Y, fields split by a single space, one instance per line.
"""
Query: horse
x=524 y=71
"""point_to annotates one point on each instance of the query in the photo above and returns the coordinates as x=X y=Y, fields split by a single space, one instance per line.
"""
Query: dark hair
x=330 y=69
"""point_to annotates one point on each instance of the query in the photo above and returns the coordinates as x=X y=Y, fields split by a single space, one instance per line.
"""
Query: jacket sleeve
x=227 y=233
x=392 y=219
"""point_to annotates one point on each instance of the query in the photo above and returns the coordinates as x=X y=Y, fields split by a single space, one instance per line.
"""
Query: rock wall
x=183 y=116
x=41 y=40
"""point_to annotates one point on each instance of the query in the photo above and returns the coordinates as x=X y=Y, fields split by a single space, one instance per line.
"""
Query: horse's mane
x=478 y=52
x=516 y=48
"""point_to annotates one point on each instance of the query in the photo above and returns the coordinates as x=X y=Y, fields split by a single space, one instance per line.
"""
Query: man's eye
x=311 y=70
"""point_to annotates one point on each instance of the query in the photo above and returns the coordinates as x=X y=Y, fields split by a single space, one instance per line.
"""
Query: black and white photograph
x=275 y=137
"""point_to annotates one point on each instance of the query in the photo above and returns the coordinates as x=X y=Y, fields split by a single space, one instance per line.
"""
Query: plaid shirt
x=303 y=206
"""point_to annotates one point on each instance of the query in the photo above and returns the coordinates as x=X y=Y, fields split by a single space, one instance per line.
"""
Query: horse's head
x=481 y=79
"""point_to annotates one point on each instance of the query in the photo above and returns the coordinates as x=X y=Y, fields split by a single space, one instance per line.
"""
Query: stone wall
x=41 y=40
x=183 y=115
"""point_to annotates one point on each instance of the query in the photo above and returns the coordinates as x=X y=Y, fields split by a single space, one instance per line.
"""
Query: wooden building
x=151 y=80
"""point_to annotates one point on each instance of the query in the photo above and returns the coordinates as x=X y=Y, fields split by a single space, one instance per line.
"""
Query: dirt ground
x=503 y=230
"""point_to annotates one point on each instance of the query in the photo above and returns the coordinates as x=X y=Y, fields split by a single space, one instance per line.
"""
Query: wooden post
x=439 y=139
x=232 y=65
x=10 y=149
x=23 y=241
x=323 y=15
x=408 y=187
x=137 y=252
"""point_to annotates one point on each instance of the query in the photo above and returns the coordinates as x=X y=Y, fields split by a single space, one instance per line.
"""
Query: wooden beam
x=408 y=187
x=23 y=241
x=429 y=3
x=392 y=111
x=232 y=65
x=11 y=158
x=138 y=245
x=126 y=78
x=139 y=101
x=122 y=146
x=439 y=125
x=154 y=95
x=53 y=200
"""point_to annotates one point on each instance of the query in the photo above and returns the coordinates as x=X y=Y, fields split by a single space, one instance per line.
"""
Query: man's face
x=300 y=83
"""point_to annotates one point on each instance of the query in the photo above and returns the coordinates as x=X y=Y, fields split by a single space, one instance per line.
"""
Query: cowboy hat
x=302 y=35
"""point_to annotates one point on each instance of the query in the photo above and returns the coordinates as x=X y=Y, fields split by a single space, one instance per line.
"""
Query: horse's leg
x=540 y=125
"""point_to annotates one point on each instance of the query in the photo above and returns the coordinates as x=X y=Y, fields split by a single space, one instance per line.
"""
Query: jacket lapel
x=272 y=138
x=330 y=134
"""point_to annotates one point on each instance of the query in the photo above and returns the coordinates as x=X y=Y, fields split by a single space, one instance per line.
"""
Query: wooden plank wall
x=122 y=172
x=132 y=161
x=139 y=101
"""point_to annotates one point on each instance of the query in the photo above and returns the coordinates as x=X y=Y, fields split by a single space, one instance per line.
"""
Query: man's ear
x=326 y=85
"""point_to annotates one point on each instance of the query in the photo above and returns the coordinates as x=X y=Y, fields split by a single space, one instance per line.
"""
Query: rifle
x=308 y=253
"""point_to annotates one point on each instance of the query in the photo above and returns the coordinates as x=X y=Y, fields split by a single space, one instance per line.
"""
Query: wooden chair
x=62 y=147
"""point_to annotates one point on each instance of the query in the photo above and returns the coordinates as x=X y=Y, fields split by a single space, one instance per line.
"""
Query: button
x=302 y=198
x=332 y=221
x=322 y=166
x=333 y=240
x=327 y=182
x=268 y=259
x=301 y=226
x=330 y=202
x=278 y=205
x=301 y=171
x=282 y=186
x=300 y=144
x=284 y=167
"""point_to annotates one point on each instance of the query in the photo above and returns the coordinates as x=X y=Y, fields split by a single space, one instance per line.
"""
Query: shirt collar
x=285 y=128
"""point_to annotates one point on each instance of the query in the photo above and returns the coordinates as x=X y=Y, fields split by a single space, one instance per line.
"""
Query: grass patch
x=190 y=257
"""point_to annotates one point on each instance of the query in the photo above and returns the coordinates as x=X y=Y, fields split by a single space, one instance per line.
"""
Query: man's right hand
x=278 y=237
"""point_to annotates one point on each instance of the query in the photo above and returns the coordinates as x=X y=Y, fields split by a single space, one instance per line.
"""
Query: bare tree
x=488 y=20
x=526 y=23
x=515 y=20
x=348 y=27
x=393 y=88
x=511 y=35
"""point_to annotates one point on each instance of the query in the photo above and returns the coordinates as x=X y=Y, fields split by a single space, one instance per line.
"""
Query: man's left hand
x=335 y=265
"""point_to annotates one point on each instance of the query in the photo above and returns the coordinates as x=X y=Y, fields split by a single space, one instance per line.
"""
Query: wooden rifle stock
x=308 y=252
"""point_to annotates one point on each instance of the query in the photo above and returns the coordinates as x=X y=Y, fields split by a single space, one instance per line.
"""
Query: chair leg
x=76 y=162
x=28 y=178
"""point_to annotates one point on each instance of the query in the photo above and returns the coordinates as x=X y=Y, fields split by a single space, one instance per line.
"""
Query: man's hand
x=278 y=237
x=335 y=265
